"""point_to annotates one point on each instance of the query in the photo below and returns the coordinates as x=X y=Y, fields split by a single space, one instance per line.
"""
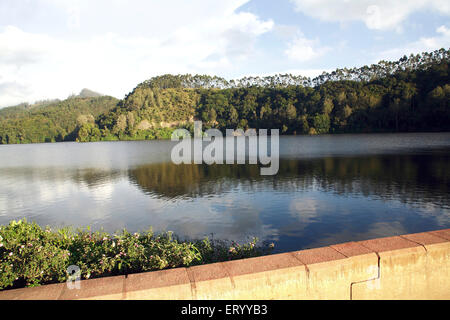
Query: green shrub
x=31 y=256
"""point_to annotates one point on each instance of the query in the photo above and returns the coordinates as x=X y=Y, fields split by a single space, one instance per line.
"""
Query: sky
x=54 y=48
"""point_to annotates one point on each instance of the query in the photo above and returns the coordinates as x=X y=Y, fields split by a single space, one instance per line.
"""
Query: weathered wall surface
x=414 y=266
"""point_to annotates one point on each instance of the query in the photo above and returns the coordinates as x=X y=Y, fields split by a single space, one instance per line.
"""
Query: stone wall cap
x=351 y=249
x=442 y=233
x=388 y=244
x=318 y=255
x=99 y=287
x=47 y=292
x=424 y=238
x=158 y=279
x=208 y=272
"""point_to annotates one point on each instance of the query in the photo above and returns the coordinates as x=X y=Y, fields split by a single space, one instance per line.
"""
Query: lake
x=329 y=189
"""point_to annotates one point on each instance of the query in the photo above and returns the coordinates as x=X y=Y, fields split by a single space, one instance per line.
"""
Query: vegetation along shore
x=31 y=255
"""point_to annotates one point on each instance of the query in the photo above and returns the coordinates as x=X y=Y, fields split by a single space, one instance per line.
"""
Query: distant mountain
x=86 y=93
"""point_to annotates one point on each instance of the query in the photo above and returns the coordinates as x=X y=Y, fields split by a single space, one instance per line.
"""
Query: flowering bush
x=31 y=256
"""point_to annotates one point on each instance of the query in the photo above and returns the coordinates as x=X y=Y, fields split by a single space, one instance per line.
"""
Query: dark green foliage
x=31 y=256
x=321 y=122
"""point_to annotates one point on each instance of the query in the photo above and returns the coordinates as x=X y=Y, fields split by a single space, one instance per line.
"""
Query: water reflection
x=337 y=194
x=409 y=178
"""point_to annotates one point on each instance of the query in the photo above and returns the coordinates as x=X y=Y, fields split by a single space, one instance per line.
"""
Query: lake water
x=329 y=189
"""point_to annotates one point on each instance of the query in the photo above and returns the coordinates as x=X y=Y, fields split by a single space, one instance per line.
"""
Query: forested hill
x=52 y=120
x=411 y=94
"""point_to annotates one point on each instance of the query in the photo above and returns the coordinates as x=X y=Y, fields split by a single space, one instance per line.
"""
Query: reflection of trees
x=95 y=177
x=412 y=178
x=90 y=176
x=407 y=177
x=170 y=180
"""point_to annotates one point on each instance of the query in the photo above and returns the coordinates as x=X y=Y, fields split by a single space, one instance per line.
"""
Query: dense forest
x=52 y=120
x=411 y=94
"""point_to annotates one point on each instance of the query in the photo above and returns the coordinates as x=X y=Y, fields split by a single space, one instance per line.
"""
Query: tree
x=121 y=124
x=327 y=106
x=321 y=123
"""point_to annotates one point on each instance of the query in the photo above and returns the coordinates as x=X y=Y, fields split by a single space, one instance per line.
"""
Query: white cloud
x=376 y=14
x=98 y=55
x=302 y=49
x=425 y=44
x=18 y=48
x=306 y=210
x=102 y=192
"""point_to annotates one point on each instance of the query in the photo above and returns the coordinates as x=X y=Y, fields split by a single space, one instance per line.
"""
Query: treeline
x=411 y=94
x=365 y=73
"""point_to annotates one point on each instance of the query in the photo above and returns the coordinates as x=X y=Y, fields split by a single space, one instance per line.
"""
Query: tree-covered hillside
x=411 y=94
x=51 y=121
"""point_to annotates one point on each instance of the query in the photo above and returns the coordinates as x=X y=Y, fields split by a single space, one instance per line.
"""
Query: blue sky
x=52 y=48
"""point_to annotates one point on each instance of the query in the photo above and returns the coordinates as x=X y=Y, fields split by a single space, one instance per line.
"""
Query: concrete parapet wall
x=414 y=266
